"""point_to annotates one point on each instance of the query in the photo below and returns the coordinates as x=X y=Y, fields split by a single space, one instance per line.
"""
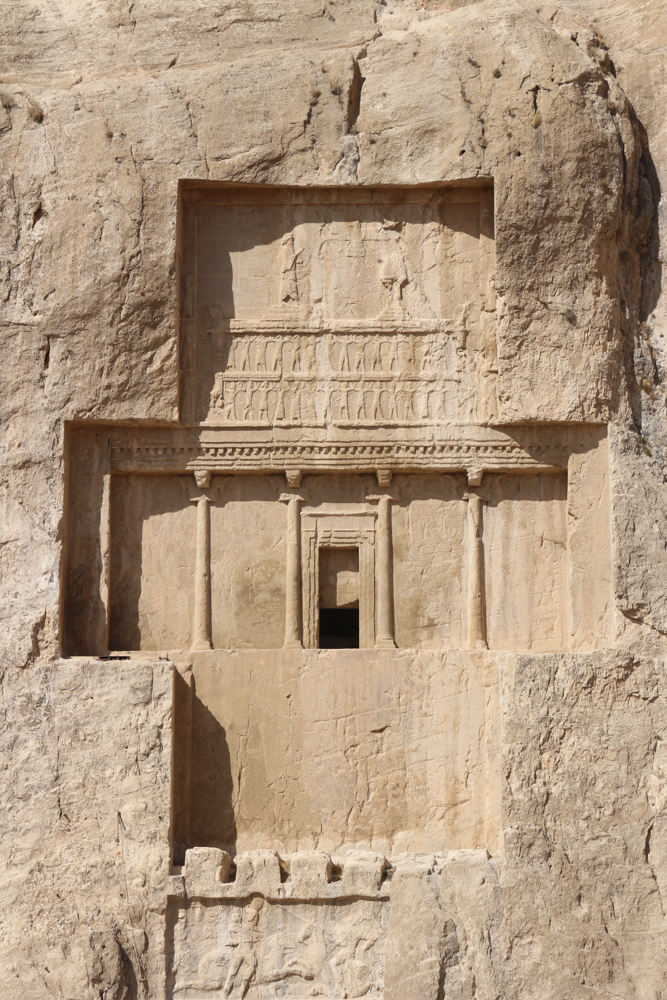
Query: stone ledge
x=210 y=873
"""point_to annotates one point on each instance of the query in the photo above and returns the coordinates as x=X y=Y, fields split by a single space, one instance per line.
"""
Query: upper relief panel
x=324 y=308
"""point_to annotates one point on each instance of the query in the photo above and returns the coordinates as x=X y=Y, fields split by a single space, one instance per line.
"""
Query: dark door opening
x=339 y=628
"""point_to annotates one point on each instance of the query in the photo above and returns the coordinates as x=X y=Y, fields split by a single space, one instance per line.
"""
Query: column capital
x=475 y=474
x=293 y=477
x=203 y=478
x=287 y=497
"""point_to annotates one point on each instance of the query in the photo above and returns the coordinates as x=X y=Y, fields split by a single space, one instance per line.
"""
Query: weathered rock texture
x=474 y=803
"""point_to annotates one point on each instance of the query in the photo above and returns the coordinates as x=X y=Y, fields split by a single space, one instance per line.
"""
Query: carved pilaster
x=476 y=594
x=293 y=612
x=384 y=574
x=201 y=633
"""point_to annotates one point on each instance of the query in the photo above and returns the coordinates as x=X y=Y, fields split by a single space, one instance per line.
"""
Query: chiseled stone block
x=258 y=872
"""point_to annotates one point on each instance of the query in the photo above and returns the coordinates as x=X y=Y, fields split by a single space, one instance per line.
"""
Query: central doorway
x=339 y=598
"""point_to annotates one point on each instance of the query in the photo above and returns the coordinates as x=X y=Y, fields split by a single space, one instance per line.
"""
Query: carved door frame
x=340 y=529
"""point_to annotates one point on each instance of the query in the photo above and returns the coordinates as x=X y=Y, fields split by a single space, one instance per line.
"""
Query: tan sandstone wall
x=478 y=824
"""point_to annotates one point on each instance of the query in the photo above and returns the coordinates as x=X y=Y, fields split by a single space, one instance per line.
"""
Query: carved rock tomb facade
x=350 y=559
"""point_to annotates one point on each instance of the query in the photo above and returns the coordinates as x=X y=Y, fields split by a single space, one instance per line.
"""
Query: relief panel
x=321 y=308
x=261 y=949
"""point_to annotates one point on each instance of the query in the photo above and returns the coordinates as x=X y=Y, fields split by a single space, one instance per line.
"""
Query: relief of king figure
x=289 y=288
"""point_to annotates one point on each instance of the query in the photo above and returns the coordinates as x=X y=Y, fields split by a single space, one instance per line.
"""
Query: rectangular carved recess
x=524 y=557
x=337 y=310
x=338 y=337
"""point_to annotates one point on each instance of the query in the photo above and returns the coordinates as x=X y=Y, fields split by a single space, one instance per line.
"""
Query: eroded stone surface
x=349 y=307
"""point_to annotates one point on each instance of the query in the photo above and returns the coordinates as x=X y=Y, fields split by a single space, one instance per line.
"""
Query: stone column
x=384 y=575
x=201 y=636
x=476 y=602
x=293 y=612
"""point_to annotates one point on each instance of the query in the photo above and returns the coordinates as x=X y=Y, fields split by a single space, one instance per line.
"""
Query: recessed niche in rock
x=340 y=308
x=337 y=539
x=519 y=562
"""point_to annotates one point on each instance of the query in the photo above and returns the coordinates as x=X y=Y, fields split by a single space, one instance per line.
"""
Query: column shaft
x=384 y=587
x=201 y=638
x=476 y=602
x=293 y=612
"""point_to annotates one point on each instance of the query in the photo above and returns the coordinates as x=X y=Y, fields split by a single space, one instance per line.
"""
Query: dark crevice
x=336 y=873
x=354 y=97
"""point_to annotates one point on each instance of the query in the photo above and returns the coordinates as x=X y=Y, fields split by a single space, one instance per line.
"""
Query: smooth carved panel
x=525 y=564
x=331 y=307
x=152 y=529
x=331 y=749
x=262 y=950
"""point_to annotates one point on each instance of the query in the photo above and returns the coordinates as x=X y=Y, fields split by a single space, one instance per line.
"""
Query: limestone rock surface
x=459 y=818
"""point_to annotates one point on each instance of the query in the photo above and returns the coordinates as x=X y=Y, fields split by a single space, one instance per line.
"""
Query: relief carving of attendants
x=462 y=329
x=295 y=413
x=393 y=269
x=275 y=354
x=188 y=297
x=216 y=394
x=376 y=357
x=263 y=403
x=392 y=405
x=409 y=400
x=245 y=355
x=279 y=412
x=360 y=359
x=232 y=359
x=344 y=413
x=410 y=359
x=344 y=358
x=376 y=406
x=296 y=355
x=215 y=317
x=310 y=355
x=392 y=356
x=361 y=406
x=247 y=409
x=230 y=404
x=260 y=357
x=289 y=288
x=426 y=406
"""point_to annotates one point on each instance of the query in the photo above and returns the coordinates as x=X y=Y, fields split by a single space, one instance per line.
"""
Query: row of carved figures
x=399 y=353
x=234 y=402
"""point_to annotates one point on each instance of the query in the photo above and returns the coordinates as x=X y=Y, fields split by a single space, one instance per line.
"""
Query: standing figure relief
x=289 y=288
x=404 y=377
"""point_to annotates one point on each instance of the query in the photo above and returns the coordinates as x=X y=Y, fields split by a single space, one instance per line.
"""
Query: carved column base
x=200 y=645
x=385 y=642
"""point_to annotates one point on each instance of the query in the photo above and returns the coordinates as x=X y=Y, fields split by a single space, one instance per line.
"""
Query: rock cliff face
x=189 y=810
